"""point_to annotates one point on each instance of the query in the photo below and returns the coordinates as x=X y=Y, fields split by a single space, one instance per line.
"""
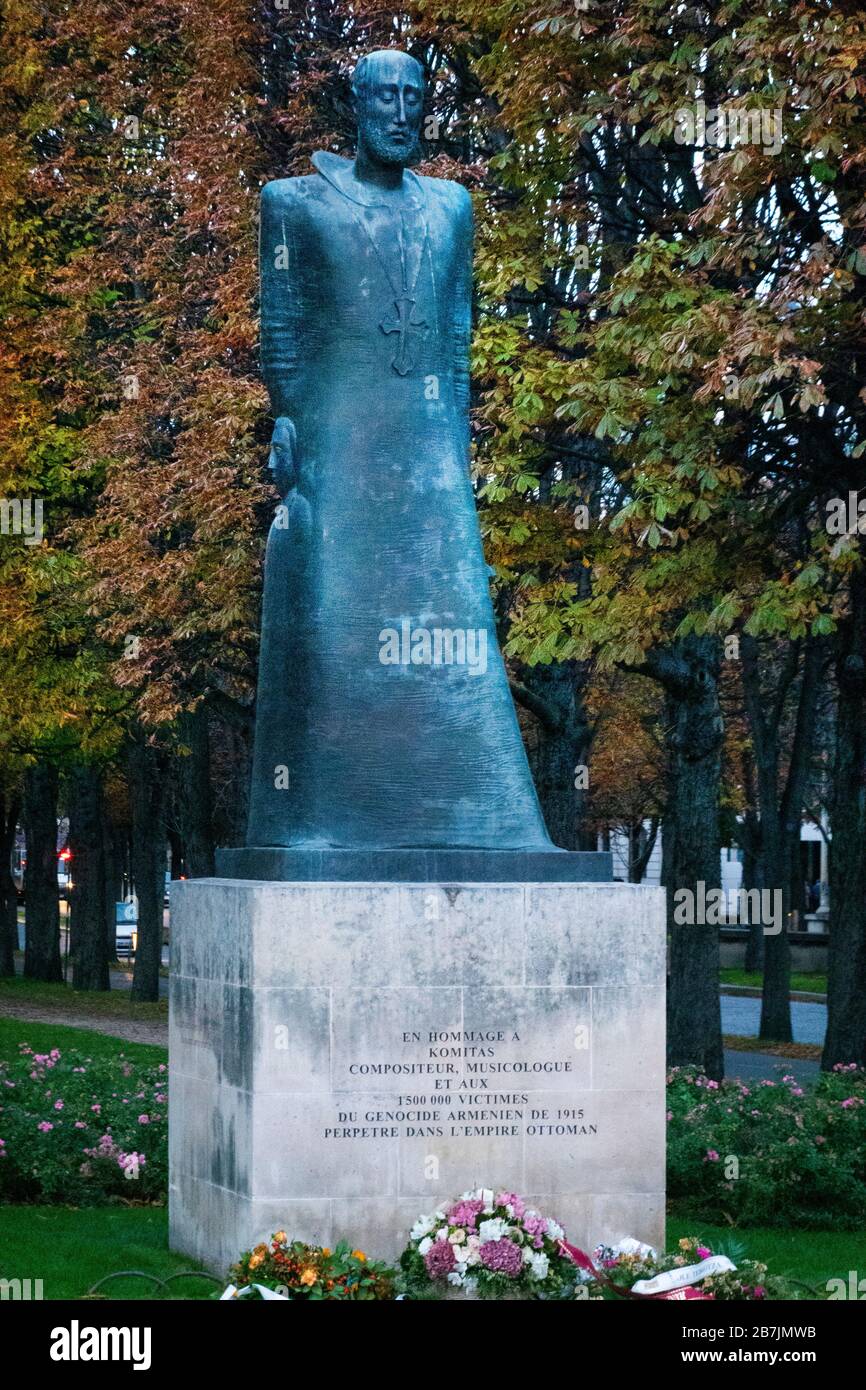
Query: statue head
x=388 y=93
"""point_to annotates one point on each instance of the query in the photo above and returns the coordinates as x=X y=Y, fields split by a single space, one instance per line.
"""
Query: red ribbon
x=583 y=1261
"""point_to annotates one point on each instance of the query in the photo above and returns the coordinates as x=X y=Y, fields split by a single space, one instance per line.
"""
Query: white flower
x=425 y=1245
x=458 y=1236
x=438 y=1216
x=421 y=1227
x=554 y=1230
x=630 y=1246
x=528 y=1254
x=486 y=1195
x=492 y=1230
x=455 y=1278
x=461 y=1254
x=442 y=1233
x=540 y=1265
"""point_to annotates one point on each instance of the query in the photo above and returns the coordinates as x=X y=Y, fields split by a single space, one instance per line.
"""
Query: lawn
x=113 y=1003
x=802 y=982
x=811 y=1257
x=72 y=1250
x=43 y=1036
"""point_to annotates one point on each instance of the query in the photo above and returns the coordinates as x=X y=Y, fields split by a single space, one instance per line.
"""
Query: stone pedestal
x=345 y=1056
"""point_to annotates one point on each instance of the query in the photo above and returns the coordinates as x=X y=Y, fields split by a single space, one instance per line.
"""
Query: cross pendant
x=402 y=323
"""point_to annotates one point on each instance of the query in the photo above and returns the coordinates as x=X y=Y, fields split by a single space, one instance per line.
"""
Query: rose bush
x=770 y=1153
x=82 y=1130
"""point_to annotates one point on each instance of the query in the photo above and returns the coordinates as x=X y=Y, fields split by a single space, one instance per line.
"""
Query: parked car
x=126 y=929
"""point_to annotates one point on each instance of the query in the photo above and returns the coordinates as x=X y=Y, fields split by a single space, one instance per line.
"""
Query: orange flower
x=308 y=1276
x=280 y=1237
x=256 y=1259
x=359 y=1255
x=326 y=1250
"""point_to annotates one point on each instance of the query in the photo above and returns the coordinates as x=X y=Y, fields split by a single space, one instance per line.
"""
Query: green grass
x=811 y=1257
x=72 y=1250
x=43 y=1036
x=114 y=1003
x=805 y=982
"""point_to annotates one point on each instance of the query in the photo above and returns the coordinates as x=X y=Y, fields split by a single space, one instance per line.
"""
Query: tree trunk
x=113 y=854
x=781 y=810
x=750 y=841
x=176 y=846
x=559 y=758
x=41 y=911
x=846 y=984
x=688 y=673
x=147 y=785
x=194 y=794
x=641 y=843
x=88 y=945
x=10 y=807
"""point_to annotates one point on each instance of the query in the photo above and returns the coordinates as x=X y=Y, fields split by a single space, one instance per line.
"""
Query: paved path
x=758 y=1066
x=130 y=1029
x=741 y=1016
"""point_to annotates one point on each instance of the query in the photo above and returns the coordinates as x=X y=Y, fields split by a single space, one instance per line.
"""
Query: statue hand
x=283 y=461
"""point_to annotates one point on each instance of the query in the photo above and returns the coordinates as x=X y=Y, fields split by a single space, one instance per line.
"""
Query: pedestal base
x=275 y=864
x=346 y=1056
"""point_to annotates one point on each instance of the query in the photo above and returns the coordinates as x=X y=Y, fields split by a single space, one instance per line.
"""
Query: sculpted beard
x=391 y=149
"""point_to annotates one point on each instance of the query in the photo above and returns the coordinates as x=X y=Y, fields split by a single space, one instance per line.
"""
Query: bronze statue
x=384 y=718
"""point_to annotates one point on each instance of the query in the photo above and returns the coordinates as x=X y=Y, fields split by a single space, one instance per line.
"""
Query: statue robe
x=363 y=739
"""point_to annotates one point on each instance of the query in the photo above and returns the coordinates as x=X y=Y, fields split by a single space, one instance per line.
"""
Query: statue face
x=389 y=108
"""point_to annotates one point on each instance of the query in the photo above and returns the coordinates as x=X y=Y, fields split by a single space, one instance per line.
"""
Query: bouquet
x=633 y=1270
x=293 y=1270
x=490 y=1244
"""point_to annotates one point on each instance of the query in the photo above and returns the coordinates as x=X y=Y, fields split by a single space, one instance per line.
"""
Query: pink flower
x=58 y=1105
x=465 y=1213
x=511 y=1199
x=97 y=1109
x=440 y=1259
x=502 y=1256
x=144 y=1119
x=711 y=1156
x=79 y=1124
x=44 y=1125
x=703 y=1252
